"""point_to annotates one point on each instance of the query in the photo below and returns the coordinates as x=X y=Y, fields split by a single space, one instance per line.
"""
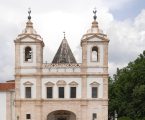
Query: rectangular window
x=94 y=92
x=94 y=116
x=73 y=92
x=49 y=92
x=28 y=92
x=61 y=92
x=28 y=116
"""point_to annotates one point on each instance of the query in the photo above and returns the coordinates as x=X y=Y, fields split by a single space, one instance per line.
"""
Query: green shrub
x=124 y=118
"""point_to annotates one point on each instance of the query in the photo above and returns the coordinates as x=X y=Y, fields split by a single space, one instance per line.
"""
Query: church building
x=63 y=89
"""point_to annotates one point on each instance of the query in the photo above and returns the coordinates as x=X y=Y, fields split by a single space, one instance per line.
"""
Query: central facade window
x=72 y=92
x=49 y=92
x=73 y=89
x=28 y=92
x=61 y=88
x=61 y=92
x=94 y=92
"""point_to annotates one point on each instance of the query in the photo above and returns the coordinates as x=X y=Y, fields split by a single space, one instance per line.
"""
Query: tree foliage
x=127 y=91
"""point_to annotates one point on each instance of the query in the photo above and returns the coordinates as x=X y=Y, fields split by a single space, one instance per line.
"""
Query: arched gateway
x=61 y=115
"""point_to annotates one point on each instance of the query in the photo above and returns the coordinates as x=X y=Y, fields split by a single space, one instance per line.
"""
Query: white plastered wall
x=67 y=87
x=28 y=71
x=95 y=109
x=33 y=87
x=94 y=69
x=2 y=105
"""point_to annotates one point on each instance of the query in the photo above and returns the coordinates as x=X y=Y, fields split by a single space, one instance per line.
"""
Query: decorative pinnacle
x=64 y=34
x=29 y=12
x=95 y=11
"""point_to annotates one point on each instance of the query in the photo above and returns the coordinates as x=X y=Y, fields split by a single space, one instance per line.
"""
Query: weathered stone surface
x=64 y=54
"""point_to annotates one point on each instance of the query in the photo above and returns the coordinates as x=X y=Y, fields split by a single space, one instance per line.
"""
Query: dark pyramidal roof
x=64 y=54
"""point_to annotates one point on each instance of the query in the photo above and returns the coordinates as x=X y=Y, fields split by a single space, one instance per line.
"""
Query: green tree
x=127 y=90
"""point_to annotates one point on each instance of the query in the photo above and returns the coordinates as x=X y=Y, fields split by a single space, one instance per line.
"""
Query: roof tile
x=7 y=86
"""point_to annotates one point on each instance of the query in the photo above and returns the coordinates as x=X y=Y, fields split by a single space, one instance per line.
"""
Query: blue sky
x=129 y=10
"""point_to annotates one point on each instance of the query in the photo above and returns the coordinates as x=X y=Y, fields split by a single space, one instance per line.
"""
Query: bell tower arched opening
x=94 y=54
x=28 y=54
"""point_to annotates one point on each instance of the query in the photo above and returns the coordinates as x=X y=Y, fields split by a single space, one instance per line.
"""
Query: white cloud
x=139 y=22
x=127 y=40
x=51 y=18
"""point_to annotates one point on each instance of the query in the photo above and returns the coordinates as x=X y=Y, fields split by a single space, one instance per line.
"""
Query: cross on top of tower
x=95 y=11
x=29 y=12
x=64 y=34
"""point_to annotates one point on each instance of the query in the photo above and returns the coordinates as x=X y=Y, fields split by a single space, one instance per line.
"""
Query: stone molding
x=103 y=37
x=63 y=74
x=67 y=65
x=94 y=84
x=61 y=83
x=73 y=84
x=27 y=83
x=60 y=100
x=49 y=84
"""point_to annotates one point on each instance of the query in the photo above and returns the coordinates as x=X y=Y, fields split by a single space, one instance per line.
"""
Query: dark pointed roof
x=64 y=54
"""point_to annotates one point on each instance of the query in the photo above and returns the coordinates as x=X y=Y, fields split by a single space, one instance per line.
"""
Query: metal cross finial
x=29 y=12
x=95 y=11
x=64 y=34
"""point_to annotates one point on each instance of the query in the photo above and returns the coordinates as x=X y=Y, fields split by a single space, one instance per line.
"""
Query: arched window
x=28 y=54
x=94 y=54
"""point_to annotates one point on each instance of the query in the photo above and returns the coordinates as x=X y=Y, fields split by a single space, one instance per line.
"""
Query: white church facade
x=62 y=89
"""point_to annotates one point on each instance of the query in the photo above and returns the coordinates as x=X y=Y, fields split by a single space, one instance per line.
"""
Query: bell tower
x=28 y=63
x=95 y=48
x=28 y=48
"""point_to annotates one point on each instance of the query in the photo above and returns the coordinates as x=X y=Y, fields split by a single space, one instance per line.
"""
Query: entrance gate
x=61 y=115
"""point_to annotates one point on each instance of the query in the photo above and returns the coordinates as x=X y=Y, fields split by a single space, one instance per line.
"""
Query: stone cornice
x=61 y=100
x=63 y=74
x=45 y=67
x=36 y=40
x=91 y=36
